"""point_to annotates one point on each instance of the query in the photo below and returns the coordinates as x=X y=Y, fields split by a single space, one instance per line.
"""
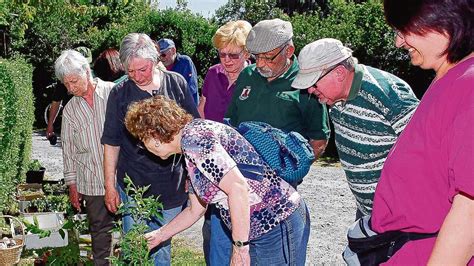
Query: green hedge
x=16 y=123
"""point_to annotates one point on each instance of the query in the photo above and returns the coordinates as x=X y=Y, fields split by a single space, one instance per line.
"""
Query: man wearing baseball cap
x=369 y=108
x=179 y=63
x=263 y=93
x=263 y=90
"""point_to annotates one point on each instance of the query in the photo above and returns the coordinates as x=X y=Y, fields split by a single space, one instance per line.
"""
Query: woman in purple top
x=268 y=219
x=220 y=79
x=427 y=183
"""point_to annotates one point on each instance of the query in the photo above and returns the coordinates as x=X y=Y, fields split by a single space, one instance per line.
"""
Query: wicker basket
x=11 y=255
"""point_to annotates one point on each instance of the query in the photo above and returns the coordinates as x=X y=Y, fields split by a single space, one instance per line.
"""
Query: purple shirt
x=217 y=92
x=432 y=161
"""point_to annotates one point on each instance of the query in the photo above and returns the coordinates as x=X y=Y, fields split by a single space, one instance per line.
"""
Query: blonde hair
x=233 y=33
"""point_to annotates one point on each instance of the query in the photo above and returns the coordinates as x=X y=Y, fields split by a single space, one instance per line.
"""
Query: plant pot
x=33 y=176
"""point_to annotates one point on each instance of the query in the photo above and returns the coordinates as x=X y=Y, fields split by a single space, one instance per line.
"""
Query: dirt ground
x=325 y=191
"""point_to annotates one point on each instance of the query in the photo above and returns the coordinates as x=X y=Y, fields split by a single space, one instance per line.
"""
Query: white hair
x=71 y=62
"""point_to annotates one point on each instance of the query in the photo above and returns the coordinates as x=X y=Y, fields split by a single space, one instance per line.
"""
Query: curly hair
x=158 y=117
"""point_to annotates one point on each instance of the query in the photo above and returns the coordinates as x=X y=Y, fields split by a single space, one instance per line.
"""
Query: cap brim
x=305 y=80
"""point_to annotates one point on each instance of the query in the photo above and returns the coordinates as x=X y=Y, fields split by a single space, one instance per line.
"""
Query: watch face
x=239 y=244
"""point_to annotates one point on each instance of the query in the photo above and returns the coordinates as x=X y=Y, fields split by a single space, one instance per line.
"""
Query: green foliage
x=360 y=26
x=16 y=121
x=191 y=33
x=34 y=165
x=133 y=245
x=252 y=11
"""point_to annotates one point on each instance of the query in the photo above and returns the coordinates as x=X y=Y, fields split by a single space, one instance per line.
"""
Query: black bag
x=366 y=247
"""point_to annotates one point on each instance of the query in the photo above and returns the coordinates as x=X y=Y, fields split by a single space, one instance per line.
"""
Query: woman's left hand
x=240 y=256
x=154 y=238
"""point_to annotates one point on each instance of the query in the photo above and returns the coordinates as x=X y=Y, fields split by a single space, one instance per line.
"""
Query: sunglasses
x=230 y=55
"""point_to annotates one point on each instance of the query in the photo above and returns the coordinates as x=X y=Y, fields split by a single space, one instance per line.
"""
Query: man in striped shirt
x=82 y=126
x=369 y=109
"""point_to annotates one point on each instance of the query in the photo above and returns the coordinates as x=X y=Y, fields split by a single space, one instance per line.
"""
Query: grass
x=184 y=254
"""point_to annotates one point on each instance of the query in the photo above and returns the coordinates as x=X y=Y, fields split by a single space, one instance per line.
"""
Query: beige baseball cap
x=316 y=57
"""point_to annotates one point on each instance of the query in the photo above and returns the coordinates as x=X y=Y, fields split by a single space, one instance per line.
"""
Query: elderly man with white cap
x=369 y=108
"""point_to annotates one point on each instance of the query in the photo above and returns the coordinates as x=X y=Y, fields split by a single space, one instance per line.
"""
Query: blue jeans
x=220 y=241
x=285 y=244
x=161 y=254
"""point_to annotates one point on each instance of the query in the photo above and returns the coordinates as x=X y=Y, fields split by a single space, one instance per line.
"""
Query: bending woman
x=268 y=218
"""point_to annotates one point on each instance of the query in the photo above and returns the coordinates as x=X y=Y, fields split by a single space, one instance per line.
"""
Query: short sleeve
x=204 y=149
x=461 y=154
x=113 y=126
x=206 y=83
x=315 y=118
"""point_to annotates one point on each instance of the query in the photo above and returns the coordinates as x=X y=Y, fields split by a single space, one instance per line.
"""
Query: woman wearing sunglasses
x=267 y=217
x=220 y=79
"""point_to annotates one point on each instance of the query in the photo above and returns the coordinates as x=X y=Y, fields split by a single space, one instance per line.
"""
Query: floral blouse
x=212 y=149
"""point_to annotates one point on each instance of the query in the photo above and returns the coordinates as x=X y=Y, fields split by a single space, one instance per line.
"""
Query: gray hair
x=71 y=62
x=137 y=45
x=349 y=63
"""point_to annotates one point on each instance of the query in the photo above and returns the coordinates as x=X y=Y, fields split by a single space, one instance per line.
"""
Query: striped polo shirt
x=81 y=131
x=367 y=125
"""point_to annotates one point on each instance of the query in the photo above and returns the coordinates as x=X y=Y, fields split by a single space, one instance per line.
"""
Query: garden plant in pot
x=35 y=172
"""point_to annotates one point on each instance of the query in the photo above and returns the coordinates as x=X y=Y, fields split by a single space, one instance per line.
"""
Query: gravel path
x=325 y=191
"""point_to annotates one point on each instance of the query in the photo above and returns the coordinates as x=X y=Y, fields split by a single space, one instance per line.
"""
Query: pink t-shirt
x=432 y=161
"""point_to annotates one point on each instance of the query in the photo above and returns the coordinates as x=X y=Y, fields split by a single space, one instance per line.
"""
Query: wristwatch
x=240 y=244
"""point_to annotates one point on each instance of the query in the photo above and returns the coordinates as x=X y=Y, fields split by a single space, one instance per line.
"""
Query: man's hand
x=75 y=197
x=112 y=200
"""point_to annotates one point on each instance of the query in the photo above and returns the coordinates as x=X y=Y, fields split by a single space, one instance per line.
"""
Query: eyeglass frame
x=270 y=59
x=228 y=55
x=325 y=74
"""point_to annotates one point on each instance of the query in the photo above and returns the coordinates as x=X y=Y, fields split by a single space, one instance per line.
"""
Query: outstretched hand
x=154 y=238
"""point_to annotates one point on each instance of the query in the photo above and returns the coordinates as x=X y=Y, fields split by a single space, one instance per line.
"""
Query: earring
x=157 y=144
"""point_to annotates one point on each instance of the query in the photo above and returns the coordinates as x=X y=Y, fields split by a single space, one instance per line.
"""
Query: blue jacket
x=185 y=66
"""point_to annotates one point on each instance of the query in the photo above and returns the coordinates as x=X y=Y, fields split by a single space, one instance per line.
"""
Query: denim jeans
x=162 y=253
x=220 y=241
x=285 y=244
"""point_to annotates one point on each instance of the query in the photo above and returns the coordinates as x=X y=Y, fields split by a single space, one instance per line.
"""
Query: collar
x=356 y=82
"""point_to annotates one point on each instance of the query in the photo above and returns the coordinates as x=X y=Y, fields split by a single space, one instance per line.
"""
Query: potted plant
x=35 y=172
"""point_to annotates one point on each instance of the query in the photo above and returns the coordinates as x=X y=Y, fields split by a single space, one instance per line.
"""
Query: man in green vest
x=369 y=108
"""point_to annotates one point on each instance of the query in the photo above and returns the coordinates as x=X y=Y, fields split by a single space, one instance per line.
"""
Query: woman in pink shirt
x=427 y=184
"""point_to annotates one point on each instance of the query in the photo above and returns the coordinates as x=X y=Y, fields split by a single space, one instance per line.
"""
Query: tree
x=252 y=11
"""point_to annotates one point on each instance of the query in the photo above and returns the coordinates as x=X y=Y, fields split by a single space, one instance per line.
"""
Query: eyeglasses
x=399 y=34
x=269 y=59
x=230 y=55
x=163 y=55
x=325 y=74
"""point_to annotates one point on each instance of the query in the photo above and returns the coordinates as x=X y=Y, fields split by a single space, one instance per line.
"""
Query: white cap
x=316 y=57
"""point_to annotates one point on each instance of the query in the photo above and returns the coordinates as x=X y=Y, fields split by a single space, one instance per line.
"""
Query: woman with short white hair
x=82 y=125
